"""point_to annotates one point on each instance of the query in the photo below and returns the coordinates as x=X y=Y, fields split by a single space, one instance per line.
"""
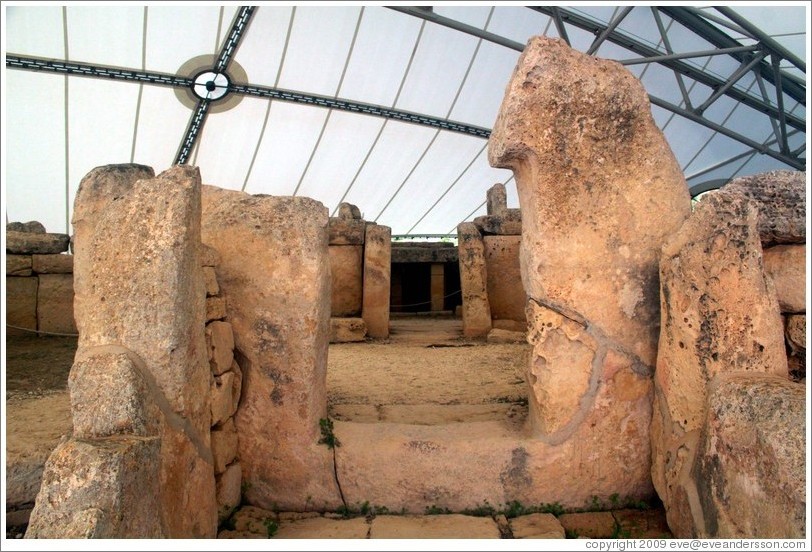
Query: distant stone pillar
x=437 y=286
x=600 y=191
x=476 y=309
x=496 y=200
x=377 y=278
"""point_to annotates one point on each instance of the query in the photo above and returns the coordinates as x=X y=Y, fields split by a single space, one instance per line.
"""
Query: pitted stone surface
x=377 y=280
x=476 y=309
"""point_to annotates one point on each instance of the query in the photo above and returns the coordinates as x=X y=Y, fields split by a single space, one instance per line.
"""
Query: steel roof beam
x=687 y=55
x=715 y=36
x=234 y=38
x=608 y=31
x=688 y=70
x=733 y=79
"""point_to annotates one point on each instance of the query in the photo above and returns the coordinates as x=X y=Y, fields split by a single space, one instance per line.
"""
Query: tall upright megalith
x=274 y=274
x=599 y=190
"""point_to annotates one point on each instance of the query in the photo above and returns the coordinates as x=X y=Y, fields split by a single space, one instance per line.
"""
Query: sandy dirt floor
x=425 y=373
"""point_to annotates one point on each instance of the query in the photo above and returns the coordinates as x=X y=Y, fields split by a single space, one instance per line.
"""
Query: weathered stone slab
x=346 y=231
x=642 y=524
x=496 y=200
x=595 y=525
x=796 y=330
x=505 y=292
x=377 y=280
x=106 y=488
x=509 y=223
x=750 y=470
x=279 y=308
x=599 y=190
x=215 y=308
x=429 y=252
x=719 y=313
x=536 y=526
x=236 y=388
x=347 y=330
x=52 y=264
x=25 y=243
x=18 y=265
x=21 y=304
x=229 y=491
x=476 y=309
x=786 y=265
x=222 y=397
x=223 y=445
x=346 y=273
x=323 y=528
x=448 y=526
x=209 y=256
x=220 y=345
x=31 y=227
x=158 y=315
x=210 y=281
x=510 y=325
x=506 y=336
x=250 y=519
x=348 y=211
x=55 y=303
x=781 y=200
x=110 y=395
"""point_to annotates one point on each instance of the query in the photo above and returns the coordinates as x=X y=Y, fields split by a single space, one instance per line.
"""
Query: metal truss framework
x=762 y=59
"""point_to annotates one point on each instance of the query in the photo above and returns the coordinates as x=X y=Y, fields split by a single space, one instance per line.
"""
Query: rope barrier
x=424 y=302
x=41 y=332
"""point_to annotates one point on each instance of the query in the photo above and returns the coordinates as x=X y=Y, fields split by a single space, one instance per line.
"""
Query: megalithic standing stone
x=599 y=190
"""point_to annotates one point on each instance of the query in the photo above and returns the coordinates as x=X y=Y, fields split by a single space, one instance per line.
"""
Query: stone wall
x=727 y=434
x=360 y=272
x=139 y=462
x=39 y=280
x=489 y=251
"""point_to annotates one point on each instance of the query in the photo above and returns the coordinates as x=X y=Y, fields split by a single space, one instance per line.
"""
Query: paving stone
x=450 y=526
x=595 y=525
x=537 y=526
x=323 y=528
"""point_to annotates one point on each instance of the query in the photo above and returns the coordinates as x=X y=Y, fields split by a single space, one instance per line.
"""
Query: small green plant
x=620 y=533
x=571 y=533
x=614 y=499
x=245 y=486
x=554 y=508
x=435 y=510
x=595 y=504
x=484 y=510
x=515 y=509
x=636 y=504
x=327 y=436
x=271 y=526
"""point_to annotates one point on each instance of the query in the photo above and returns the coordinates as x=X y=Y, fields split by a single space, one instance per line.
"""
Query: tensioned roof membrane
x=388 y=108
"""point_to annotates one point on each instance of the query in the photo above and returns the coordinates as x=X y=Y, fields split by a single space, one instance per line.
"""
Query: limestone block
x=786 y=265
x=223 y=445
x=510 y=325
x=215 y=308
x=25 y=243
x=796 y=330
x=236 y=387
x=21 y=304
x=53 y=264
x=595 y=525
x=750 y=470
x=347 y=330
x=346 y=273
x=505 y=292
x=508 y=224
x=250 y=519
x=281 y=333
x=229 y=491
x=55 y=303
x=32 y=227
x=781 y=200
x=476 y=308
x=210 y=281
x=220 y=345
x=106 y=488
x=209 y=256
x=323 y=528
x=639 y=524
x=18 y=265
x=159 y=315
x=346 y=231
x=496 y=199
x=598 y=186
x=110 y=395
x=448 y=526
x=719 y=313
x=377 y=280
x=536 y=526
x=222 y=397
x=348 y=211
